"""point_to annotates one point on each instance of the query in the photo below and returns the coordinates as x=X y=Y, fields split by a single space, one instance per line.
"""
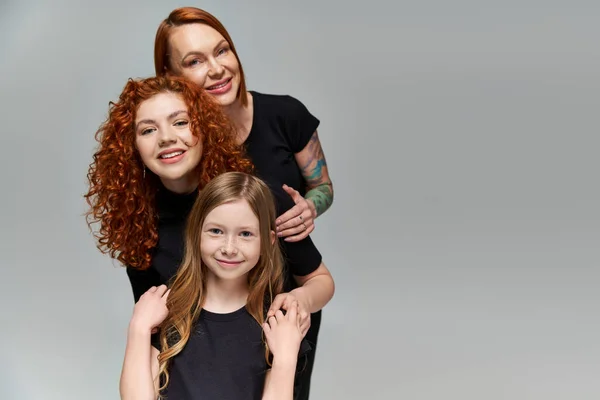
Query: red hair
x=121 y=199
x=184 y=16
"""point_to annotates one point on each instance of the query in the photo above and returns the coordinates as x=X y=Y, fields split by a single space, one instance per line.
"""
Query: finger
x=297 y=230
x=292 y=311
x=279 y=315
x=294 y=194
x=166 y=295
x=304 y=316
x=296 y=221
x=273 y=320
x=289 y=215
x=266 y=328
x=304 y=329
x=300 y=236
x=161 y=290
x=152 y=289
x=276 y=304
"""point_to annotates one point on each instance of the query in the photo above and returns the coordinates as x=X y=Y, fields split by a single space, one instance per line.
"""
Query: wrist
x=285 y=362
x=302 y=297
x=312 y=205
x=137 y=328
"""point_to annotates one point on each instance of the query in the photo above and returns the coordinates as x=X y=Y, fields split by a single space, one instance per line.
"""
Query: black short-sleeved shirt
x=281 y=127
x=223 y=359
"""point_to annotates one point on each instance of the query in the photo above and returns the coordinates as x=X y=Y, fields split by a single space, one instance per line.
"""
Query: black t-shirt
x=282 y=126
x=223 y=359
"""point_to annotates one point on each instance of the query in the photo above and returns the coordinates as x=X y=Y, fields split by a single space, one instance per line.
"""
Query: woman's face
x=202 y=55
x=165 y=142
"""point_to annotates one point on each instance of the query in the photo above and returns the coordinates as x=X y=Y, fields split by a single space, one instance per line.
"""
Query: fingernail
x=279 y=234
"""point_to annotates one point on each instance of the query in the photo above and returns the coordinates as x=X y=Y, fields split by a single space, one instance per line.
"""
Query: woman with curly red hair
x=163 y=139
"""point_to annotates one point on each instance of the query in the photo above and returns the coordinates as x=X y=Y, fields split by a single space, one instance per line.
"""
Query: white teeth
x=171 y=155
x=218 y=86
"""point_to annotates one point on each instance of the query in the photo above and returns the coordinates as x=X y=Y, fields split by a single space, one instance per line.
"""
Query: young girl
x=212 y=318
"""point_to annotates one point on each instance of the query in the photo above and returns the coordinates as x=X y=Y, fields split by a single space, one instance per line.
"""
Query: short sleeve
x=300 y=124
x=141 y=281
x=302 y=258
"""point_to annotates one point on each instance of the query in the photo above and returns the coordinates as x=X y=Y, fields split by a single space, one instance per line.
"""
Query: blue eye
x=146 y=131
x=215 y=231
x=246 y=234
x=181 y=123
x=222 y=51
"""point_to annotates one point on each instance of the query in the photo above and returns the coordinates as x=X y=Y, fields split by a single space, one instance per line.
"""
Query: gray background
x=462 y=142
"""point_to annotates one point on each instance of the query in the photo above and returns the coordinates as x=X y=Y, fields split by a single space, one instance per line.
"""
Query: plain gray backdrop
x=462 y=140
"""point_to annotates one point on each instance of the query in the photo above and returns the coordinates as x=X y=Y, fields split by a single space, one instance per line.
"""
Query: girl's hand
x=299 y=221
x=151 y=309
x=283 y=334
x=286 y=301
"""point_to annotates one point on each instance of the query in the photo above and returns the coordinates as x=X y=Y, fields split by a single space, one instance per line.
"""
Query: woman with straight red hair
x=280 y=137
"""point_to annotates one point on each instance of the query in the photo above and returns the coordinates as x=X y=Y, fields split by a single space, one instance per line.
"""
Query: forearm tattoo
x=321 y=196
x=314 y=170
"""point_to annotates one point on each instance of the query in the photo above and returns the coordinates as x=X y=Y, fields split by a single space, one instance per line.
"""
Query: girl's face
x=230 y=241
x=202 y=55
x=165 y=143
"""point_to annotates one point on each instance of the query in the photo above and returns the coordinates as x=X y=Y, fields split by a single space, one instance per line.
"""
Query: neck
x=185 y=185
x=241 y=117
x=225 y=296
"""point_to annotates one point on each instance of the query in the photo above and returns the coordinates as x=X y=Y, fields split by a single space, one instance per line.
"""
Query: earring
x=144 y=172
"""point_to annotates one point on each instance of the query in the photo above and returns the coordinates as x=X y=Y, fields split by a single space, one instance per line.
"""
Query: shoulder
x=279 y=104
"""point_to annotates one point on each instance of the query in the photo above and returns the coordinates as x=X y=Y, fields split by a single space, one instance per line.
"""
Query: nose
x=166 y=136
x=215 y=68
x=229 y=247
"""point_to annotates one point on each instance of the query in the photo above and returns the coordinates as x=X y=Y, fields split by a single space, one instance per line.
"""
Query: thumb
x=276 y=305
x=291 y=191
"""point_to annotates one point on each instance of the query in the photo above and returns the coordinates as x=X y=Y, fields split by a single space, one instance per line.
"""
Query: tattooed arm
x=298 y=222
x=311 y=161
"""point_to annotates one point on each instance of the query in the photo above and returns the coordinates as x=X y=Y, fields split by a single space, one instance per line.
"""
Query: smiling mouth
x=171 y=155
x=229 y=262
x=219 y=86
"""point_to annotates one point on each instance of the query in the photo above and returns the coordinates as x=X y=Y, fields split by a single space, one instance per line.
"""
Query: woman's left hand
x=299 y=221
x=285 y=301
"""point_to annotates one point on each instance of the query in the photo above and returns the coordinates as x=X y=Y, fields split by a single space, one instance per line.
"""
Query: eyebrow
x=199 y=53
x=151 y=121
x=217 y=225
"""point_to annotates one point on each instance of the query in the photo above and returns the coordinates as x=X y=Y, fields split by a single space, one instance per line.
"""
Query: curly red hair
x=121 y=199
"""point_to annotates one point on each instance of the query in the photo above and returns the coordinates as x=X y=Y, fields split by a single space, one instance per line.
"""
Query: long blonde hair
x=188 y=288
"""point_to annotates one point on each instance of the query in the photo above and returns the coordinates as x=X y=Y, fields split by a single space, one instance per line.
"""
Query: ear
x=273 y=237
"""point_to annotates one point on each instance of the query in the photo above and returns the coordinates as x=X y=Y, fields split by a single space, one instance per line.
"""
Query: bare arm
x=140 y=366
x=279 y=382
x=283 y=336
x=313 y=165
x=316 y=289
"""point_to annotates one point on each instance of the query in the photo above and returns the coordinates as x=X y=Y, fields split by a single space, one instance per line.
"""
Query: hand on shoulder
x=151 y=309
